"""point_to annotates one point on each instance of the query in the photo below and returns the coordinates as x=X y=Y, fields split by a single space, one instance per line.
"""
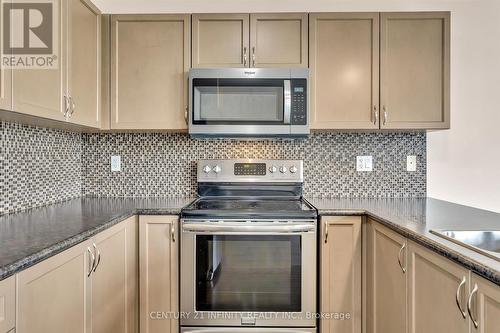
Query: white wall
x=464 y=162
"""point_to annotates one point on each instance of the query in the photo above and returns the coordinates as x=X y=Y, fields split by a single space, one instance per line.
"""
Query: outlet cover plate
x=364 y=163
x=411 y=163
x=116 y=164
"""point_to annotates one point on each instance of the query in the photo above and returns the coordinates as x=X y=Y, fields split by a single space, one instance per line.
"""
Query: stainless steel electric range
x=248 y=250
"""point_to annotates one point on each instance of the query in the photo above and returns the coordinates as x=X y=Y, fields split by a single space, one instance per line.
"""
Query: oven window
x=248 y=273
x=227 y=101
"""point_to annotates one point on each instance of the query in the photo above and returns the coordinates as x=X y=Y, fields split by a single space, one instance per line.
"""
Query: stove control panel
x=250 y=171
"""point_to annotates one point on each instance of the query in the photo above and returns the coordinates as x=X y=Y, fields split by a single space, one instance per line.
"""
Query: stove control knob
x=273 y=169
x=207 y=169
x=283 y=169
x=293 y=169
x=217 y=169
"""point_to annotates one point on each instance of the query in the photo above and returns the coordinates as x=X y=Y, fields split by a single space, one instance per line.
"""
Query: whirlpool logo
x=30 y=35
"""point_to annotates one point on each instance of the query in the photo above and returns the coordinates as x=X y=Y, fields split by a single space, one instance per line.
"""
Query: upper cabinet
x=69 y=92
x=149 y=63
x=344 y=61
x=278 y=40
x=84 y=63
x=220 y=40
x=255 y=40
x=415 y=70
x=5 y=75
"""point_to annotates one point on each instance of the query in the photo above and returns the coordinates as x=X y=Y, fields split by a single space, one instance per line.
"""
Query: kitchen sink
x=484 y=242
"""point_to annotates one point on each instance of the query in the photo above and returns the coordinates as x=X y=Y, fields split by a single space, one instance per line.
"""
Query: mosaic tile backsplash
x=39 y=166
x=161 y=164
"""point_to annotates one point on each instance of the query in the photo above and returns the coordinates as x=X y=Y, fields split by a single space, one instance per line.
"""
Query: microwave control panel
x=298 y=114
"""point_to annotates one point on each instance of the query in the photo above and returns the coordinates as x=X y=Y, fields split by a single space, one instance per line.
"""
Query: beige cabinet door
x=5 y=74
x=220 y=40
x=415 y=70
x=278 y=40
x=40 y=92
x=386 y=280
x=150 y=58
x=341 y=273
x=158 y=264
x=437 y=293
x=84 y=63
x=51 y=296
x=484 y=306
x=344 y=62
x=114 y=277
x=7 y=304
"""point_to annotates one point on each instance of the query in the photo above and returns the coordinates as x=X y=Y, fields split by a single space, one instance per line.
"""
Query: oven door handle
x=231 y=228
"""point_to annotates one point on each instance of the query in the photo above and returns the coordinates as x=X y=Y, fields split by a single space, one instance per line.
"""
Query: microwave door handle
x=287 y=107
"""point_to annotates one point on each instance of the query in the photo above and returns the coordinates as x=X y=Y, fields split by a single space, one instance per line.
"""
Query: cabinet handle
x=172 y=232
x=72 y=106
x=66 y=107
x=326 y=232
x=375 y=115
x=91 y=265
x=186 y=116
x=98 y=257
x=469 y=306
x=458 y=296
x=253 y=56
x=399 y=258
x=386 y=115
x=245 y=56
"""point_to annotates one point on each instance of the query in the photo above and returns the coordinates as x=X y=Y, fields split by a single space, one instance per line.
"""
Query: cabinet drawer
x=7 y=304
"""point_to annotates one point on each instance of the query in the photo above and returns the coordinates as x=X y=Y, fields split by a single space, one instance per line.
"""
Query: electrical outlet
x=364 y=163
x=411 y=163
x=116 y=164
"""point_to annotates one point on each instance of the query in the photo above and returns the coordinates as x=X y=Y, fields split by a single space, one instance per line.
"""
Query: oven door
x=248 y=273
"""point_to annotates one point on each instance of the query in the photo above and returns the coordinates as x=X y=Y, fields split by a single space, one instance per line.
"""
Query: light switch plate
x=116 y=164
x=364 y=163
x=411 y=163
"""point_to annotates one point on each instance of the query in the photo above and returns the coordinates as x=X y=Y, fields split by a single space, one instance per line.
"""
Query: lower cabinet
x=92 y=287
x=341 y=274
x=386 y=280
x=158 y=262
x=484 y=306
x=7 y=304
x=437 y=293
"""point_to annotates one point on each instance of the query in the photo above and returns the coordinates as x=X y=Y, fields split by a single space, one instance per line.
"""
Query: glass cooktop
x=238 y=207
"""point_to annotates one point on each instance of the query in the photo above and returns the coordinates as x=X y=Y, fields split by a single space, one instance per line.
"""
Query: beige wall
x=463 y=163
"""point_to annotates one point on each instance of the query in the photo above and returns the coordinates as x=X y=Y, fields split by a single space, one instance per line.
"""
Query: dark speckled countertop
x=29 y=237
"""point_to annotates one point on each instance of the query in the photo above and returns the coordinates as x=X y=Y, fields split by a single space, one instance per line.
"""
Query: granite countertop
x=414 y=218
x=29 y=237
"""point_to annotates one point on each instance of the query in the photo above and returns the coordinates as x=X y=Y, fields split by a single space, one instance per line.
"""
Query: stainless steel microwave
x=249 y=102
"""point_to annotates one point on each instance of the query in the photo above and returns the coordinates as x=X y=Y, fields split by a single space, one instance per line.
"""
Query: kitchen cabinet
x=69 y=92
x=84 y=63
x=341 y=273
x=437 y=293
x=386 y=280
x=91 y=287
x=279 y=40
x=115 y=279
x=7 y=304
x=52 y=295
x=150 y=58
x=344 y=62
x=5 y=76
x=220 y=40
x=484 y=305
x=250 y=40
x=158 y=263
x=415 y=70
